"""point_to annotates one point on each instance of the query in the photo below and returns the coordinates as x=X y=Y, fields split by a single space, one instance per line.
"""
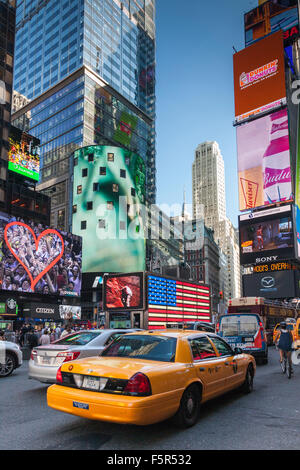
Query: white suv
x=11 y=357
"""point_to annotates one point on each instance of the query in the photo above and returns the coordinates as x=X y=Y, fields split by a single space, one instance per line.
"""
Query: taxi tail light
x=217 y=327
x=69 y=356
x=138 y=385
x=59 y=378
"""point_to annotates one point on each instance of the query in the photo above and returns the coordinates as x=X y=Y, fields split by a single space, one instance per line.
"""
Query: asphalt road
x=267 y=419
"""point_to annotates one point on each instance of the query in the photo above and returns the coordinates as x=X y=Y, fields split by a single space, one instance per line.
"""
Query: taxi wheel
x=248 y=384
x=189 y=409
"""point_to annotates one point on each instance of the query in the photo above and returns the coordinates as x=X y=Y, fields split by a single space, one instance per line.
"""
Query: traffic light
x=221 y=295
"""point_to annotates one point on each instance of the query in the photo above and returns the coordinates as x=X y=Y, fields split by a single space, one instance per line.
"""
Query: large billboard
x=267 y=236
x=297 y=189
x=23 y=157
x=108 y=203
x=271 y=17
x=264 y=161
x=259 y=77
x=124 y=292
x=38 y=259
x=276 y=285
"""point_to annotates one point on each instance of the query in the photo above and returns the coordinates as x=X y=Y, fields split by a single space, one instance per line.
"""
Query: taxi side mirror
x=238 y=351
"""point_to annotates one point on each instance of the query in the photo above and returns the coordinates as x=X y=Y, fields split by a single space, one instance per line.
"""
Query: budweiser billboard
x=264 y=170
x=259 y=77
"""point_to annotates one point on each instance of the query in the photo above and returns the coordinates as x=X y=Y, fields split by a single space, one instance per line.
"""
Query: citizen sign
x=45 y=310
x=266 y=259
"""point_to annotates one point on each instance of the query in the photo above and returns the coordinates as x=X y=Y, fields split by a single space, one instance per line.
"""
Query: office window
x=110 y=205
x=90 y=157
x=84 y=172
x=123 y=173
x=115 y=188
x=95 y=186
x=132 y=192
x=89 y=205
x=83 y=225
x=74 y=208
x=102 y=170
x=79 y=189
x=101 y=223
x=110 y=157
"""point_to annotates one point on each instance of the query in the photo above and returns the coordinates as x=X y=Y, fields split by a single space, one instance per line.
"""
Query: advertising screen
x=108 y=197
x=264 y=161
x=276 y=285
x=23 y=155
x=38 y=259
x=259 y=77
x=271 y=17
x=126 y=126
x=297 y=190
x=123 y=292
x=268 y=237
x=70 y=312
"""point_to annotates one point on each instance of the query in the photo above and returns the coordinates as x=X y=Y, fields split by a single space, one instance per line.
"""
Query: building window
x=110 y=205
x=84 y=172
x=79 y=189
x=83 y=225
x=110 y=157
x=90 y=157
x=115 y=188
x=89 y=205
x=75 y=161
x=132 y=192
x=96 y=187
x=75 y=209
x=61 y=219
x=101 y=223
x=127 y=160
x=102 y=170
x=123 y=173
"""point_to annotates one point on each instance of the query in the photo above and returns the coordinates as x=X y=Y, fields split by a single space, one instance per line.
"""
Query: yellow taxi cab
x=292 y=325
x=146 y=377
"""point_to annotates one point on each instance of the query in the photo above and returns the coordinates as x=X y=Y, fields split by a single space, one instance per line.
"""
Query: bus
x=271 y=312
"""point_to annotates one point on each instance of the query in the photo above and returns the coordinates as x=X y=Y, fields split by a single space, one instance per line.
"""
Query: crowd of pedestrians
x=32 y=337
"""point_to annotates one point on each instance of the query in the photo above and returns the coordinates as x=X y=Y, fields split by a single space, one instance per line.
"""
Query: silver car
x=46 y=360
x=11 y=357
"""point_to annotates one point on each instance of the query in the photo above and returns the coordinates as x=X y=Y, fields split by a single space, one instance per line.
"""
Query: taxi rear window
x=153 y=348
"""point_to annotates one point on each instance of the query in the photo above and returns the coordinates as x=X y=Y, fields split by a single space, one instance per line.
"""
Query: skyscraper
x=209 y=199
x=7 y=33
x=88 y=69
x=209 y=183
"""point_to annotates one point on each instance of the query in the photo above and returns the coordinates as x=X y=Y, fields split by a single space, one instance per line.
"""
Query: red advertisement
x=123 y=292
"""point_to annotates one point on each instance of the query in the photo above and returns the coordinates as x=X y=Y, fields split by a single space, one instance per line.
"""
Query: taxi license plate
x=248 y=340
x=92 y=383
x=83 y=406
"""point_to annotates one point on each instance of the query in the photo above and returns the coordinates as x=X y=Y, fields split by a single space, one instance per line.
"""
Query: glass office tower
x=108 y=42
x=7 y=34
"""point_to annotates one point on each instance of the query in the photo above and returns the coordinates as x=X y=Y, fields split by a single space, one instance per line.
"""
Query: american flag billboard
x=172 y=301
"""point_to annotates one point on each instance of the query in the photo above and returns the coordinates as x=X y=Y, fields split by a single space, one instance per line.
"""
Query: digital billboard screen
x=271 y=17
x=264 y=170
x=109 y=194
x=23 y=157
x=259 y=77
x=266 y=236
x=70 y=312
x=276 y=285
x=38 y=259
x=123 y=292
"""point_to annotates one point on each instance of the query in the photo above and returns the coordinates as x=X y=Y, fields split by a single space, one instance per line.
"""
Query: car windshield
x=155 y=348
x=237 y=325
x=78 y=339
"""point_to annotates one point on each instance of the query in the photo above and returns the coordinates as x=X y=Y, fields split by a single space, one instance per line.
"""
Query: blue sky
x=194 y=89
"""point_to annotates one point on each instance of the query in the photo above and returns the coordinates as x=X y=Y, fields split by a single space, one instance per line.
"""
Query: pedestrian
x=45 y=338
x=32 y=339
x=57 y=332
x=285 y=342
x=52 y=336
x=67 y=331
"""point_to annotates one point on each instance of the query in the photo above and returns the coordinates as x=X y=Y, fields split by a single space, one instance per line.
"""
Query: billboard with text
x=264 y=161
x=259 y=77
